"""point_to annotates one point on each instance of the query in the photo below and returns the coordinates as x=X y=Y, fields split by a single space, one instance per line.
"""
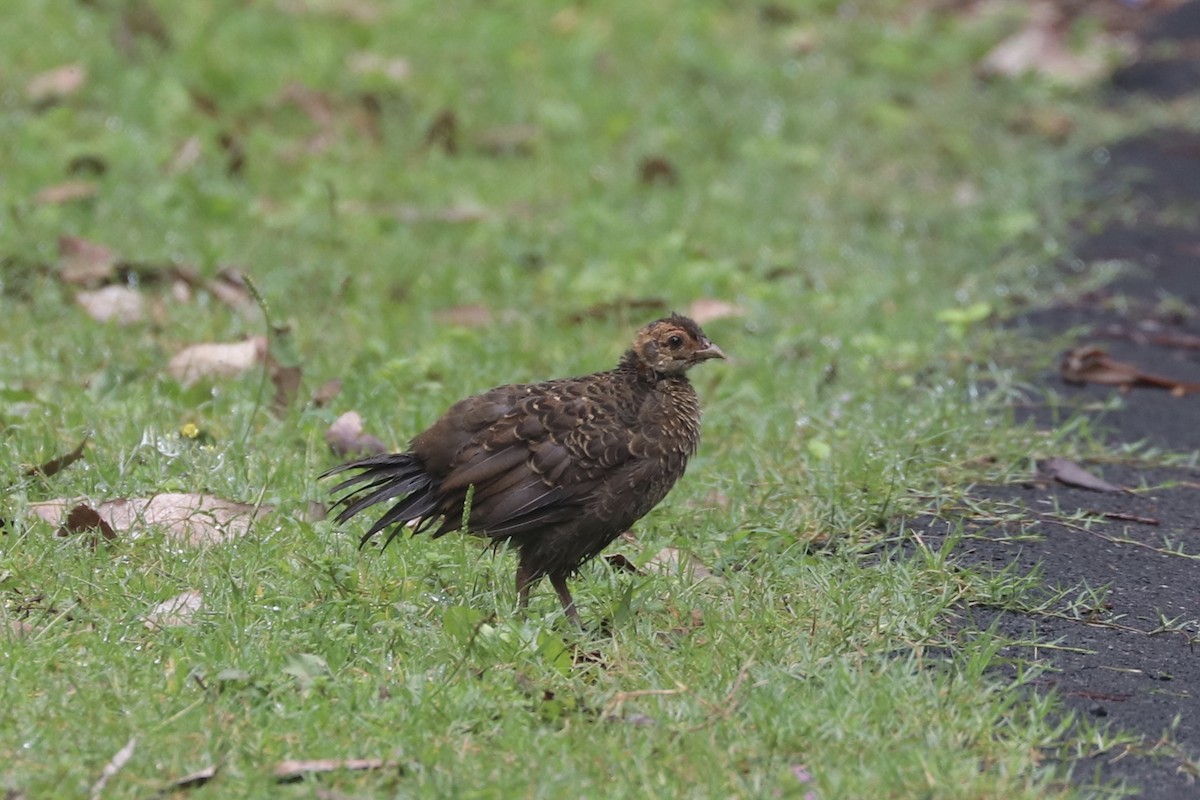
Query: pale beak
x=710 y=350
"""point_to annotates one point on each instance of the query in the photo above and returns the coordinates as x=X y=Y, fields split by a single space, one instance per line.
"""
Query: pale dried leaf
x=186 y=156
x=706 y=309
x=85 y=263
x=193 y=519
x=286 y=381
x=175 y=612
x=396 y=70
x=216 y=360
x=116 y=303
x=346 y=437
x=230 y=288
x=292 y=770
x=670 y=561
x=193 y=779
x=1069 y=473
x=1041 y=47
x=56 y=84
x=66 y=192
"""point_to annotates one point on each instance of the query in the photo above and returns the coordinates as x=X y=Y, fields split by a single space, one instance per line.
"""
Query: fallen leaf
x=396 y=70
x=707 y=309
x=286 y=381
x=657 y=169
x=293 y=770
x=193 y=519
x=442 y=133
x=56 y=84
x=326 y=392
x=176 y=612
x=186 y=156
x=345 y=437
x=230 y=288
x=235 y=153
x=193 y=779
x=216 y=360
x=1091 y=364
x=84 y=263
x=1068 y=472
x=670 y=561
x=114 y=765
x=20 y=627
x=67 y=192
x=83 y=518
x=1041 y=47
x=56 y=465
x=620 y=562
x=474 y=315
x=116 y=303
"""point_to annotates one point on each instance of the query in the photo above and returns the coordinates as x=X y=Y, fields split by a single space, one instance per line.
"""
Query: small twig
x=119 y=760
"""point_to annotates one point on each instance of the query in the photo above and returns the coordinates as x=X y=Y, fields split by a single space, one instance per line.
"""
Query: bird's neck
x=630 y=362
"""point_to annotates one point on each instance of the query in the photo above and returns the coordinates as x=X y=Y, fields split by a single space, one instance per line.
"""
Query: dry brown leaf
x=56 y=465
x=706 y=309
x=1041 y=47
x=473 y=315
x=116 y=303
x=82 y=519
x=326 y=392
x=56 y=84
x=346 y=437
x=619 y=308
x=175 y=612
x=1091 y=364
x=85 y=263
x=67 y=192
x=194 y=519
x=670 y=561
x=1069 y=473
x=621 y=563
x=216 y=360
x=286 y=381
x=396 y=70
x=442 y=133
x=658 y=169
x=294 y=770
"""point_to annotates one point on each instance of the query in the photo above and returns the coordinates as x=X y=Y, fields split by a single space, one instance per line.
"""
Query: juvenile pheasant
x=558 y=469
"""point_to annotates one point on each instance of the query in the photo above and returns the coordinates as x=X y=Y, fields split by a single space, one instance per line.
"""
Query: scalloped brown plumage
x=559 y=468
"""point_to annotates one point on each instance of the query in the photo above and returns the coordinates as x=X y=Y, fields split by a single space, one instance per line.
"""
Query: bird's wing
x=536 y=461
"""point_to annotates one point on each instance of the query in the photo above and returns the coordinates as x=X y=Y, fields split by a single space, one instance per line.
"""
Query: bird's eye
x=675 y=342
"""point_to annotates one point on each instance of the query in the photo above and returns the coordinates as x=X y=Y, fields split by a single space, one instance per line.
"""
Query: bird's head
x=672 y=345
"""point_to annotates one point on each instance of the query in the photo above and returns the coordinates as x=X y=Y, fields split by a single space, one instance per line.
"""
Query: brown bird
x=558 y=469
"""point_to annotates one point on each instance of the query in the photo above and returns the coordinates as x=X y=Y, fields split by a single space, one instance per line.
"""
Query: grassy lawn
x=840 y=180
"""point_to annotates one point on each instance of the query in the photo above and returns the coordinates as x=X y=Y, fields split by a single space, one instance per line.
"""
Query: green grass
x=845 y=194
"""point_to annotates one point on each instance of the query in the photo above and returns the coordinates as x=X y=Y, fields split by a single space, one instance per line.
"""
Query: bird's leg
x=564 y=595
x=525 y=579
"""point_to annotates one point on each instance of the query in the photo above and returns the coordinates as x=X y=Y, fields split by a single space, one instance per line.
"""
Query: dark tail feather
x=384 y=478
